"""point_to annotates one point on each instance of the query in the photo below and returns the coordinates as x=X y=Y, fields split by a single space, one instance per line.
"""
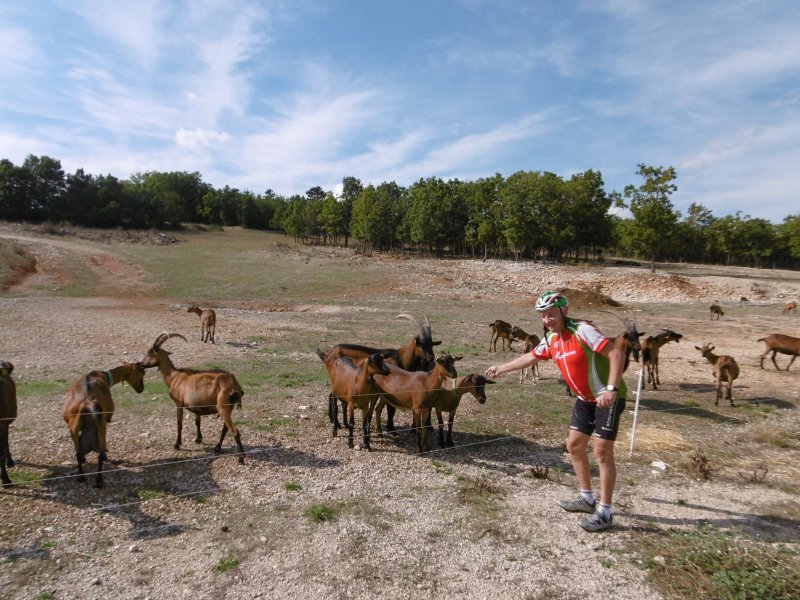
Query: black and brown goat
x=353 y=383
x=208 y=322
x=783 y=344
x=416 y=391
x=415 y=355
x=650 y=351
x=725 y=369
x=210 y=392
x=89 y=407
x=628 y=341
x=716 y=309
x=500 y=330
x=8 y=412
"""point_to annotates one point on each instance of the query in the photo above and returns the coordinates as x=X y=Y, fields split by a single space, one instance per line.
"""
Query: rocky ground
x=473 y=522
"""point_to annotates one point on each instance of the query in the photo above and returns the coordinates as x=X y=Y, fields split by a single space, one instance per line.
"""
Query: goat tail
x=646 y=358
x=88 y=434
x=761 y=339
x=321 y=354
x=236 y=400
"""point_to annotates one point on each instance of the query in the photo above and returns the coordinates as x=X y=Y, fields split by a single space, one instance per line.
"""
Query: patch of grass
x=46 y=595
x=226 y=564
x=321 y=513
x=292 y=486
x=148 y=494
x=711 y=563
x=44 y=388
x=18 y=475
x=275 y=422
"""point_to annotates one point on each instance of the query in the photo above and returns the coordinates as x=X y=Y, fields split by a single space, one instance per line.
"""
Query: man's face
x=552 y=319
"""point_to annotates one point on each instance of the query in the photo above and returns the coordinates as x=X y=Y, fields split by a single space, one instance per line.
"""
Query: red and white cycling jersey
x=576 y=351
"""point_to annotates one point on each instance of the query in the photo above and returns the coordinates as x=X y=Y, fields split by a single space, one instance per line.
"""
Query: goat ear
x=455 y=358
x=436 y=343
x=698 y=348
x=641 y=333
x=490 y=381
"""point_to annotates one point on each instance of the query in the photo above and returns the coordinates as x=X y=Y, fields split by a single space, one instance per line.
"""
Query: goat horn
x=428 y=333
x=625 y=321
x=422 y=332
x=163 y=337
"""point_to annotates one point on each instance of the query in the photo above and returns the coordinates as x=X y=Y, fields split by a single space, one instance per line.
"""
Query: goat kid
x=448 y=401
x=650 y=350
x=502 y=331
x=416 y=391
x=783 y=344
x=208 y=322
x=716 y=309
x=8 y=412
x=353 y=383
x=725 y=369
x=789 y=307
x=88 y=409
x=530 y=341
x=209 y=392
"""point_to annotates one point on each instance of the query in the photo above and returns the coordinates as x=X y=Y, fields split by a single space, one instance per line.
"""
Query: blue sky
x=295 y=94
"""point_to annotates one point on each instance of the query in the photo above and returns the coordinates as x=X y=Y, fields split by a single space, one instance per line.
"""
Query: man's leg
x=604 y=454
x=577 y=444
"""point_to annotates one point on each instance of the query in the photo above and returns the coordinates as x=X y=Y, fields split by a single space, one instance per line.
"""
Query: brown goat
x=716 y=309
x=725 y=369
x=789 y=307
x=8 y=412
x=650 y=350
x=785 y=344
x=208 y=322
x=530 y=341
x=448 y=401
x=416 y=355
x=354 y=384
x=211 y=392
x=89 y=407
x=414 y=391
x=502 y=331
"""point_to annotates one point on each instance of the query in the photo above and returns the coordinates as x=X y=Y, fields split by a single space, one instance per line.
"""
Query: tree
x=654 y=219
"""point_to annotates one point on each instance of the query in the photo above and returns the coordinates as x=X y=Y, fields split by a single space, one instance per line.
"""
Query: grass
x=321 y=513
x=226 y=564
x=712 y=563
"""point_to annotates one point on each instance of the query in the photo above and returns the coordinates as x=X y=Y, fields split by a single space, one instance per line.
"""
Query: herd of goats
x=411 y=378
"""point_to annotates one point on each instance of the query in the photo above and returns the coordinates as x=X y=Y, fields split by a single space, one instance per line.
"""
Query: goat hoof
x=217 y=449
x=6 y=483
x=177 y=446
x=98 y=484
x=241 y=460
x=81 y=479
x=10 y=462
x=198 y=440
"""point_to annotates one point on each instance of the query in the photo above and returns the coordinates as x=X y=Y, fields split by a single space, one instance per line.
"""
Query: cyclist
x=592 y=367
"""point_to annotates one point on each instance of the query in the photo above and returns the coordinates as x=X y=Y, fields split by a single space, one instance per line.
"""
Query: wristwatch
x=611 y=388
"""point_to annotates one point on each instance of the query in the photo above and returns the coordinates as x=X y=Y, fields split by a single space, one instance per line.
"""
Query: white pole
x=636 y=410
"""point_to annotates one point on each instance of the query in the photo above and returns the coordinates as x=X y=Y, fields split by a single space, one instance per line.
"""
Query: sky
x=289 y=95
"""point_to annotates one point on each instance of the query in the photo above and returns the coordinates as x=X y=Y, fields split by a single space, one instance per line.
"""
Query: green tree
x=484 y=207
x=789 y=236
x=654 y=218
x=48 y=184
x=351 y=188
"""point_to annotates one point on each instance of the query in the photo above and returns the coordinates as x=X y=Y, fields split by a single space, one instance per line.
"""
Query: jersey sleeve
x=542 y=350
x=591 y=336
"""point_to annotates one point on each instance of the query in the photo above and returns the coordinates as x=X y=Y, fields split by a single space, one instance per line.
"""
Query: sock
x=604 y=510
x=588 y=496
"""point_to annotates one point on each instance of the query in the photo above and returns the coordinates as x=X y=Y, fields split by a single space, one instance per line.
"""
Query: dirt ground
x=471 y=523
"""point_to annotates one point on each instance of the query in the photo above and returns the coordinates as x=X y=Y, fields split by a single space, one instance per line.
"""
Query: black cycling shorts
x=589 y=418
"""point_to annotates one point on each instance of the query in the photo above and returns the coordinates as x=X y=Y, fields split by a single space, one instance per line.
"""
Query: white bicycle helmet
x=550 y=300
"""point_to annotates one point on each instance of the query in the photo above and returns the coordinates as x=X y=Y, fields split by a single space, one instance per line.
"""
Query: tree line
x=528 y=215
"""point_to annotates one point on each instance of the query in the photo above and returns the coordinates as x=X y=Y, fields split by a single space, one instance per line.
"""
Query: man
x=592 y=367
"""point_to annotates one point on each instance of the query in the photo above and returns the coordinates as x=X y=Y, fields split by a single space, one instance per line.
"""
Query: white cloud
x=200 y=138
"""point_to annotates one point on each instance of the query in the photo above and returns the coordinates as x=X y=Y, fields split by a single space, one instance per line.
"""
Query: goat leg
x=98 y=480
x=199 y=438
x=179 y=417
x=218 y=447
x=450 y=419
x=440 y=419
x=239 y=448
x=390 y=428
